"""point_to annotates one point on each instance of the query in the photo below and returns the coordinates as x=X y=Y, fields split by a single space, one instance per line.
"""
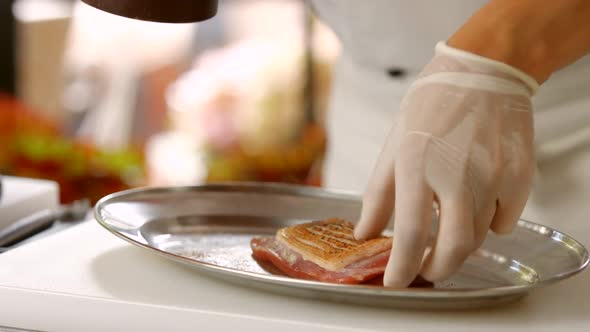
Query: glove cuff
x=531 y=83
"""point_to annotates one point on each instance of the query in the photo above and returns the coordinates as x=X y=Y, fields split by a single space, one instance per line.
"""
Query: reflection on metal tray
x=209 y=228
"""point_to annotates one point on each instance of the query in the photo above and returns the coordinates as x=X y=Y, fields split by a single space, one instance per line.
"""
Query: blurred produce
x=32 y=146
x=243 y=109
x=298 y=162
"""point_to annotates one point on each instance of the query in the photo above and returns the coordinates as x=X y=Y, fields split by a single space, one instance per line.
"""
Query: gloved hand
x=464 y=139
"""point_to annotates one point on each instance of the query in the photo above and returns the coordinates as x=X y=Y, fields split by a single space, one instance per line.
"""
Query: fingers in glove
x=379 y=197
x=413 y=220
x=455 y=239
x=511 y=202
x=507 y=214
x=483 y=221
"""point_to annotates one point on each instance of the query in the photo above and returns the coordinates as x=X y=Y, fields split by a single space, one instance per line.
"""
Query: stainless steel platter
x=209 y=227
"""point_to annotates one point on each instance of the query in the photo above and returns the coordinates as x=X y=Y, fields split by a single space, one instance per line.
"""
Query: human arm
x=537 y=37
x=464 y=135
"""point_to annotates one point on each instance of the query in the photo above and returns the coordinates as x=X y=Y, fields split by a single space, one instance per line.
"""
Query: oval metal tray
x=209 y=227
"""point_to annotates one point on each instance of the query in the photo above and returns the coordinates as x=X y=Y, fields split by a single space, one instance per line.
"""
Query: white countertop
x=84 y=279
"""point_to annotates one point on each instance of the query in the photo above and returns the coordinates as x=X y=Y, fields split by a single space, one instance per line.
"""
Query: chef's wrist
x=489 y=65
x=498 y=38
x=534 y=62
x=537 y=37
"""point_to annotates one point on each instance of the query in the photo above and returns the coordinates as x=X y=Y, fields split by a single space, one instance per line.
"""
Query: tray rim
x=289 y=189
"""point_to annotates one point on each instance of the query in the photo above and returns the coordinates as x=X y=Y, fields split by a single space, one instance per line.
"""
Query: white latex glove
x=463 y=138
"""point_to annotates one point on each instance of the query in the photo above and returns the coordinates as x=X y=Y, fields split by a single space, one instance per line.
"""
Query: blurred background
x=101 y=103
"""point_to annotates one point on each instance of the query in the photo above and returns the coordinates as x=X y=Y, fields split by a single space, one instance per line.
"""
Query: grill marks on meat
x=331 y=238
x=330 y=243
x=326 y=251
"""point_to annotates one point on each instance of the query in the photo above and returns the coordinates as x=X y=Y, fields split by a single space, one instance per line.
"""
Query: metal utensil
x=209 y=228
x=38 y=221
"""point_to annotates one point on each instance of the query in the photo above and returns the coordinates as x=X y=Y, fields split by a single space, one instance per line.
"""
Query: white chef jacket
x=386 y=43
